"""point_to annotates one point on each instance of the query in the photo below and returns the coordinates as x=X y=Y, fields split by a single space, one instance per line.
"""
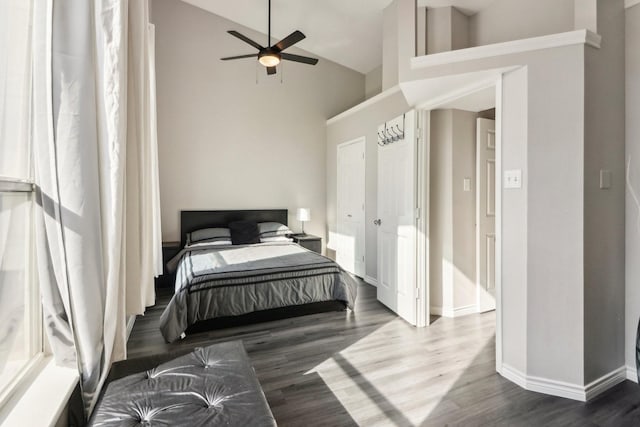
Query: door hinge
x=417 y=213
x=362 y=258
x=417 y=293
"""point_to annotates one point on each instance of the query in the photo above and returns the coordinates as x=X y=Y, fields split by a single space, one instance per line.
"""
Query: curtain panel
x=95 y=164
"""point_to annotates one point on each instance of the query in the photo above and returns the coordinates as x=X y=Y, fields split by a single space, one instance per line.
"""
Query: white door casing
x=486 y=215
x=397 y=215
x=350 y=249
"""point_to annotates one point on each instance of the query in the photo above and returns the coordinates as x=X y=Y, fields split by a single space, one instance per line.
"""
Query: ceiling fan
x=271 y=56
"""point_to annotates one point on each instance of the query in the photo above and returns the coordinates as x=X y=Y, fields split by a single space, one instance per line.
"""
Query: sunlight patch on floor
x=394 y=387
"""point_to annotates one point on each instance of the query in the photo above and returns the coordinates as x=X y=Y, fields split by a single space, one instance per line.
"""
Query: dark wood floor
x=370 y=368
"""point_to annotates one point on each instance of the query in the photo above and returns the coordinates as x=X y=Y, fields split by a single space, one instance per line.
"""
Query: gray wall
x=447 y=29
x=604 y=212
x=373 y=82
x=633 y=155
x=506 y=20
x=226 y=142
x=452 y=241
x=361 y=123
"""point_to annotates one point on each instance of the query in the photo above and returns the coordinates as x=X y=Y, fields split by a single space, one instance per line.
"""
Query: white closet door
x=397 y=221
x=350 y=249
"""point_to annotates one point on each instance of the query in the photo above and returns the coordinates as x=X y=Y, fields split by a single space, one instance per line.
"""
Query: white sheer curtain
x=96 y=172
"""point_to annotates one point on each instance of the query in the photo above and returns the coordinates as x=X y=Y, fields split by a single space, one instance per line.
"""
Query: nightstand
x=169 y=250
x=308 y=241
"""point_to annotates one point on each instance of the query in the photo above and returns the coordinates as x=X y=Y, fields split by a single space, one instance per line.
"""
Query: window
x=20 y=312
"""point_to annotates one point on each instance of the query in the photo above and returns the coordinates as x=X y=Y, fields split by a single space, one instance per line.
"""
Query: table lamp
x=303 y=215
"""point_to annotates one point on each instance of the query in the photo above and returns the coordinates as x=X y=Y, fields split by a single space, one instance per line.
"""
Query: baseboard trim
x=564 y=389
x=454 y=312
x=371 y=280
x=131 y=321
x=632 y=374
x=605 y=382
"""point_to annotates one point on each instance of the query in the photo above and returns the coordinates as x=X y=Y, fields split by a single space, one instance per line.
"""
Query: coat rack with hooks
x=391 y=131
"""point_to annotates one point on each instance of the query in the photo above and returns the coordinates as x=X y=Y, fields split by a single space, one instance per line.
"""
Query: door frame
x=425 y=108
x=423 y=147
x=362 y=139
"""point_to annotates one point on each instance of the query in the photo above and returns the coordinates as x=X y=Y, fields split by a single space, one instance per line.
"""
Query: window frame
x=33 y=315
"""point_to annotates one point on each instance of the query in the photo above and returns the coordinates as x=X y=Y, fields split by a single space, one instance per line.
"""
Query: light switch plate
x=605 y=179
x=466 y=184
x=513 y=178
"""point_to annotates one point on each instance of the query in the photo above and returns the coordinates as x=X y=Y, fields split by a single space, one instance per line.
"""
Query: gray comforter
x=217 y=281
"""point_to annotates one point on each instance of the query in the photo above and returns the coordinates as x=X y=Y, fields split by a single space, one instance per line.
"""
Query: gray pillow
x=209 y=235
x=273 y=229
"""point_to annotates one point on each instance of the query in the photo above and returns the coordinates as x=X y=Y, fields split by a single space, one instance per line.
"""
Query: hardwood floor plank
x=370 y=368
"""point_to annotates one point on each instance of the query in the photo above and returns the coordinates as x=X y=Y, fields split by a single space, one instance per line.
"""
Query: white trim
x=369 y=102
x=370 y=280
x=630 y=3
x=130 y=323
x=564 y=389
x=454 y=95
x=513 y=375
x=507 y=48
x=632 y=373
x=423 y=148
x=498 y=225
x=49 y=393
x=605 y=382
x=454 y=312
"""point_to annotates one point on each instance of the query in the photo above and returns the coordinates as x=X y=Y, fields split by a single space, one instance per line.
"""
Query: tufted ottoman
x=211 y=386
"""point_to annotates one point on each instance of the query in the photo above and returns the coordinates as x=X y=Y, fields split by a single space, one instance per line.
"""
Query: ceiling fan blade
x=228 y=58
x=271 y=70
x=298 y=58
x=288 y=41
x=245 y=39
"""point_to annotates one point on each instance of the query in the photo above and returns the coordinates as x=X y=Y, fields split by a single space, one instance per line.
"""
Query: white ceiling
x=348 y=32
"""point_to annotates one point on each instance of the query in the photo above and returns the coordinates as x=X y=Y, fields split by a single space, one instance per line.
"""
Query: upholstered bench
x=211 y=386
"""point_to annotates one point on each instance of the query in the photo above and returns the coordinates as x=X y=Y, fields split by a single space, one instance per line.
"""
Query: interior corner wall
x=604 y=212
x=452 y=211
x=373 y=82
x=555 y=215
x=440 y=211
x=506 y=20
x=227 y=142
x=513 y=120
x=464 y=212
x=632 y=273
x=365 y=123
x=390 y=46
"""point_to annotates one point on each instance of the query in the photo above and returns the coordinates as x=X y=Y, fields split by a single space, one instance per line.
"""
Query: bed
x=219 y=281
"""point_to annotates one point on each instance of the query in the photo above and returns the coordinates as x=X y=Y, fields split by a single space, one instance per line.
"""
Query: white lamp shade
x=303 y=214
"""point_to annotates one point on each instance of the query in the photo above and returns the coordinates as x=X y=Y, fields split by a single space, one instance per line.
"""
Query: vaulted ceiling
x=348 y=32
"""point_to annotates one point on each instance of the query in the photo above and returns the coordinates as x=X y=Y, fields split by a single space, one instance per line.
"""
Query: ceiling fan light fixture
x=270 y=59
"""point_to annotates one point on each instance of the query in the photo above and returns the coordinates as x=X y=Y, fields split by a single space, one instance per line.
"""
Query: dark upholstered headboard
x=196 y=220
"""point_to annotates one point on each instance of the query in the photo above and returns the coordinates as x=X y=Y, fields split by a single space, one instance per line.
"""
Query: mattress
x=218 y=281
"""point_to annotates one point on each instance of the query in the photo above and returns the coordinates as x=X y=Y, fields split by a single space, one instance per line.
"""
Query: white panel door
x=397 y=221
x=486 y=214
x=350 y=248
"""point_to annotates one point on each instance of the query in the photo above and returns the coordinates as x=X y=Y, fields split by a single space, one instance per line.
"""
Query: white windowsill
x=44 y=399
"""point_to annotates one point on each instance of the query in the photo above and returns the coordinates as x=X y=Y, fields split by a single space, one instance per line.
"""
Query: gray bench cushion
x=212 y=386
